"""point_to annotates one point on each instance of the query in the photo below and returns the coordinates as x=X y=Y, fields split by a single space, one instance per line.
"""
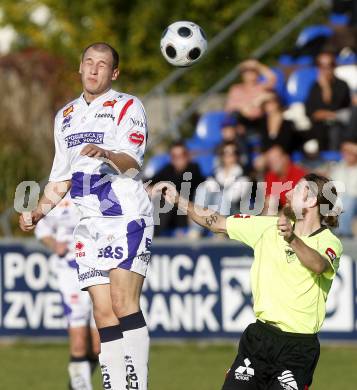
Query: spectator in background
x=232 y=131
x=244 y=98
x=276 y=130
x=226 y=187
x=280 y=171
x=180 y=169
x=312 y=161
x=348 y=73
x=345 y=171
x=328 y=104
x=229 y=128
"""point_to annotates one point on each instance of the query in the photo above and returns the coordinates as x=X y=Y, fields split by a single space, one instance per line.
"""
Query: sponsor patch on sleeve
x=136 y=138
x=331 y=254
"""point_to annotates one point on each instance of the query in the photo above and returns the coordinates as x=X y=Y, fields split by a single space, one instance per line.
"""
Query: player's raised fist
x=285 y=228
x=168 y=190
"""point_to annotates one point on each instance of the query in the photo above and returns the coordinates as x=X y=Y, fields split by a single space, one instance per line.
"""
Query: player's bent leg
x=126 y=288
x=111 y=357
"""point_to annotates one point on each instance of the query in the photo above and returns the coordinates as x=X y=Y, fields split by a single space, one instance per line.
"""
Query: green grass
x=172 y=367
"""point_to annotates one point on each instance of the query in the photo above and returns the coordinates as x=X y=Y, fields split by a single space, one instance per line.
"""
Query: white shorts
x=103 y=244
x=77 y=305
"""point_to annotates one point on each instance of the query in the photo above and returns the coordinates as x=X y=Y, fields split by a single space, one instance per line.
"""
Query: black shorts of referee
x=270 y=359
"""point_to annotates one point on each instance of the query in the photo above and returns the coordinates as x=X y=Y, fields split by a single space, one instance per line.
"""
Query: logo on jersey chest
x=105 y=115
x=290 y=255
x=87 y=137
x=67 y=111
x=109 y=103
x=66 y=122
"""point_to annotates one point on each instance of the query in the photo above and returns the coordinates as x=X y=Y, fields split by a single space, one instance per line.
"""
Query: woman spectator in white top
x=228 y=185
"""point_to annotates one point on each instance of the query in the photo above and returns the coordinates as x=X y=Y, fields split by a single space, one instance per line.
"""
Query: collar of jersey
x=319 y=230
x=99 y=100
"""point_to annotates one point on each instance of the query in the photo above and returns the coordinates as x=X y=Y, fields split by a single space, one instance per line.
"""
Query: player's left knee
x=123 y=304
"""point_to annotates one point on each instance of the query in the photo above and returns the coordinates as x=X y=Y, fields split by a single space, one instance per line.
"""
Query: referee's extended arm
x=201 y=215
x=309 y=257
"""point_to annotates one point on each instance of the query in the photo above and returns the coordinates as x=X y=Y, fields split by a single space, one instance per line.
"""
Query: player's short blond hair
x=103 y=46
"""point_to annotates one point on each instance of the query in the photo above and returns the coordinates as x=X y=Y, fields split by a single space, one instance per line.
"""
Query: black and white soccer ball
x=183 y=43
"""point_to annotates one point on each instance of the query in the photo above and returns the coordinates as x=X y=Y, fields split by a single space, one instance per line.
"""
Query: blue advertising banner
x=192 y=291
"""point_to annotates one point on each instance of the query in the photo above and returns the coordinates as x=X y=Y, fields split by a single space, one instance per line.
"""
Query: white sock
x=111 y=358
x=80 y=374
x=136 y=349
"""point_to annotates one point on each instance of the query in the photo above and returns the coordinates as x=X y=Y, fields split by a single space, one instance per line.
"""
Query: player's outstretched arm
x=53 y=194
x=201 y=215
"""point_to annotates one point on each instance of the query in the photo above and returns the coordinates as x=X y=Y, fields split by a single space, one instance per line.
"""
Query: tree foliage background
x=39 y=73
x=135 y=28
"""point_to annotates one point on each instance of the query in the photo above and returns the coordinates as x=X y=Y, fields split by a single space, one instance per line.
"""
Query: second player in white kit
x=100 y=141
x=56 y=232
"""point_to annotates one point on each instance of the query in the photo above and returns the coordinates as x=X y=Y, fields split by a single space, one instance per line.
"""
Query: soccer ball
x=183 y=43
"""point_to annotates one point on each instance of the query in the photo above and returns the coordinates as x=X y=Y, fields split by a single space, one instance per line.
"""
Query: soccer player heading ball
x=100 y=140
x=296 y=257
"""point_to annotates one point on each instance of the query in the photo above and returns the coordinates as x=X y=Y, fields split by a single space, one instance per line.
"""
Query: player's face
x=97 y=71
x=300 y=198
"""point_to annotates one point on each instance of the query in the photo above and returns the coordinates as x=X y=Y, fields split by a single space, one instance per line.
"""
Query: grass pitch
x=172 y=367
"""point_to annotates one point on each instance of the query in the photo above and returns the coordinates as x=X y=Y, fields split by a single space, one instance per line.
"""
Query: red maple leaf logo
x=79 y=245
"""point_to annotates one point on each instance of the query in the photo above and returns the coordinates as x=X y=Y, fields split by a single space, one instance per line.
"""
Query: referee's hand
x=286 y=228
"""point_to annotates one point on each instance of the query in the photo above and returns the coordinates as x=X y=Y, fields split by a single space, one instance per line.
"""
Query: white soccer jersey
x=114 y=121
x=60 y=223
